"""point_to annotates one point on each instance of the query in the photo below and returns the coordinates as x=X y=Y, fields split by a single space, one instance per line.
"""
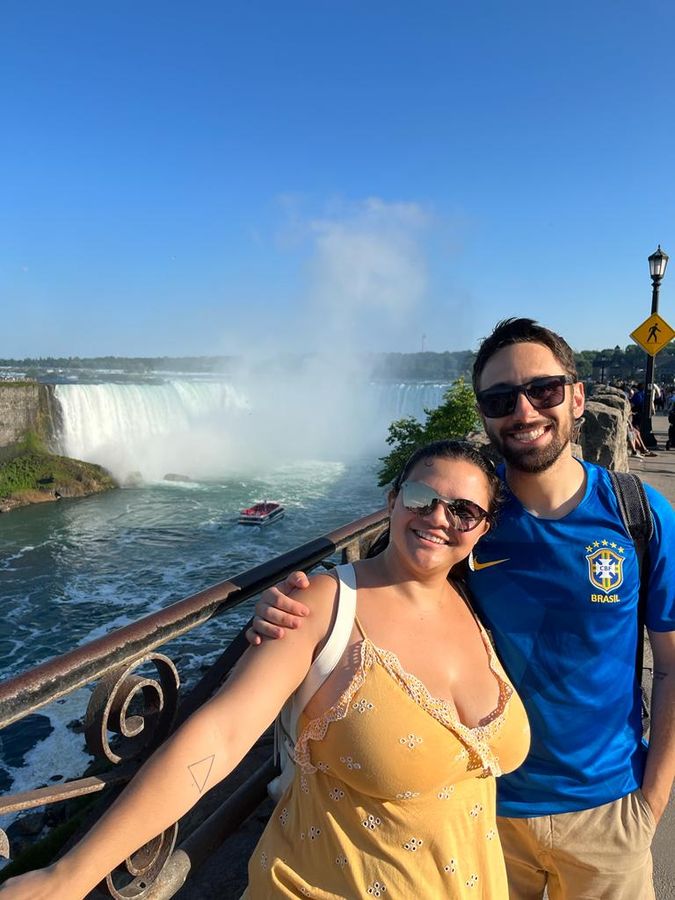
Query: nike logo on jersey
x=476 y=566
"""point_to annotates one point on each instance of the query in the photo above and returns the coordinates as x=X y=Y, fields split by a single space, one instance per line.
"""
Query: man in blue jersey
x=556 y=582
x=579 y=815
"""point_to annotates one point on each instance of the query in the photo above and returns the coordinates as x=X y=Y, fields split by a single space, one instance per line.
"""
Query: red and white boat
x=261 y=513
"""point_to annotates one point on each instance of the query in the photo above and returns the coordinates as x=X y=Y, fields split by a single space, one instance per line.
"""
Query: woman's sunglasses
x=543 y=393
x=463 y=515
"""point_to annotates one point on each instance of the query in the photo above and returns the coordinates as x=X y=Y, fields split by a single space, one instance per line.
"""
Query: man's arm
x=660 y=768
x=277 y=611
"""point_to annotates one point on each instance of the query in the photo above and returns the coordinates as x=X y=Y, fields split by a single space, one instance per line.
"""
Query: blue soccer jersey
x=560 y=600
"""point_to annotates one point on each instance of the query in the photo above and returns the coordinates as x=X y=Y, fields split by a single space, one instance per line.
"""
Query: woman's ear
x=486 y=528
x=391 y=499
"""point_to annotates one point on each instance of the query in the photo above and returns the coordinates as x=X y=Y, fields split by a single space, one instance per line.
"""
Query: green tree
x=454 y=418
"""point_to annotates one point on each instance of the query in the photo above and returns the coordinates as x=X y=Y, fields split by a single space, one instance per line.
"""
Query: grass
x=32 y=468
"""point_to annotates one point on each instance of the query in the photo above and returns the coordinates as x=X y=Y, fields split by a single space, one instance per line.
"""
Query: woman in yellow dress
x=396 y=753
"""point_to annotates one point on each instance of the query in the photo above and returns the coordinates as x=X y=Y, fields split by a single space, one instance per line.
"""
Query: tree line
x=617 y=364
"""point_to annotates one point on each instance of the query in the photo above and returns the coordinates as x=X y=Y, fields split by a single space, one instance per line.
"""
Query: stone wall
x=25 y=406
x=604 y=430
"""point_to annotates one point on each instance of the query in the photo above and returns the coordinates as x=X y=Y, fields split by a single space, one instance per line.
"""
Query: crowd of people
x=662 y=401
x=407 y=680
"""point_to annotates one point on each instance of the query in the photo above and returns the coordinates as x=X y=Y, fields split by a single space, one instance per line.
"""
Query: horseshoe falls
x=207 y=429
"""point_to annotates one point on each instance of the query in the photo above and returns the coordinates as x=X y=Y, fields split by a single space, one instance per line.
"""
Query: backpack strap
x=634 y=508
x=286 y=724
x=637 y=517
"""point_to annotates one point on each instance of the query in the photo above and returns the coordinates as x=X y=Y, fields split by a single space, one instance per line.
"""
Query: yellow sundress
x=392 y=796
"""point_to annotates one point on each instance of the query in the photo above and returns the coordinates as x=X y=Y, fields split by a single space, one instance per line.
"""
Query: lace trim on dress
x=316 y=729
x=476 y=740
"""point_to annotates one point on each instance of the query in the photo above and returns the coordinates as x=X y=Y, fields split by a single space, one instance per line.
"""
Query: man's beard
x=536 y=459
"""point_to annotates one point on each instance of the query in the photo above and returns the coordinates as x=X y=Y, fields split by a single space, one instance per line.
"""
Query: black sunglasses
x=543 y=393
x=463 y=515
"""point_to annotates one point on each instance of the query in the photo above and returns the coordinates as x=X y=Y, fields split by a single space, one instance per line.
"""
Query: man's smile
x=529 y=434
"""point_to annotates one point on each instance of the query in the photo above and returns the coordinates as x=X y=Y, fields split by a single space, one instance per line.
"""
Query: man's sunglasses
x=463 y=515
x=543 y=393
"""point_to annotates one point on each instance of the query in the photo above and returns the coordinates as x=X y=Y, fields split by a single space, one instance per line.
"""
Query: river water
x=76 y=569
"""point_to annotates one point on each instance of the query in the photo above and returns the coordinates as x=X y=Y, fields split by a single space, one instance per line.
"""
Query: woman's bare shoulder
x=320 y=599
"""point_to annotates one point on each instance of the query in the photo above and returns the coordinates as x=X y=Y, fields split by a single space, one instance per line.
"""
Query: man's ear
x=578 y=399
x=480 y=416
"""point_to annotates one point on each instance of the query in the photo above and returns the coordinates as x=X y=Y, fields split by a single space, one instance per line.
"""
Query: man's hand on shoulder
x=277 y=610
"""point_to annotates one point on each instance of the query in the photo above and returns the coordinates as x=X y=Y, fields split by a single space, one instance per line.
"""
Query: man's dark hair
x=523 y=331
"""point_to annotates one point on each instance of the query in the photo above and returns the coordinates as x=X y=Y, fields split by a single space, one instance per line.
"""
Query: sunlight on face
x=430 y=541
x=530 y=440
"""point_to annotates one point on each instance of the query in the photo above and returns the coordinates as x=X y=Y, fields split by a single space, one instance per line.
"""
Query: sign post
x=652 y=335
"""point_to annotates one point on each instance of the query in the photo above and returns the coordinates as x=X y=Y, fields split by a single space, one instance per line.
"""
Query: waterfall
x=397 y=401
x=205 y=429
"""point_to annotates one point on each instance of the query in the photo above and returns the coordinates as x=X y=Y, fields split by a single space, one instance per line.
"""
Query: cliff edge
x=28 y=474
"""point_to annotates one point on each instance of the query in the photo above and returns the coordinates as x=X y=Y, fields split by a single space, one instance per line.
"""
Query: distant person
x=557 y=583
x=397 y=750
x=670 y=400
x=636 y=404
x=670 y=443
x=659 y=398
x=635 y=442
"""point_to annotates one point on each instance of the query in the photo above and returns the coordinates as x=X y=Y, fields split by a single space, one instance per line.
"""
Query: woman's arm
x=201 y=753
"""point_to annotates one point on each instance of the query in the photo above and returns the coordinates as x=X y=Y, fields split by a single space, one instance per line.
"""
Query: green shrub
x=454 y=418
x=33 y=470
x=32 y=443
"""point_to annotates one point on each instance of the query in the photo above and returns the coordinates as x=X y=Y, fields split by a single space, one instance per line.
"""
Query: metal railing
x=140 y=710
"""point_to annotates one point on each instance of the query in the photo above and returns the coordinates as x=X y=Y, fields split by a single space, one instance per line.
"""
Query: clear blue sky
x=193 y=178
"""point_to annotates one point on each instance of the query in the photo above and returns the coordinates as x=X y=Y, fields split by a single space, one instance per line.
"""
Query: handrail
x=115 y=662
x=59 y=676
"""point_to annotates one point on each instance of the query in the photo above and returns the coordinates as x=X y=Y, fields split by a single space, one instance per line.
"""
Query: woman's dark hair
x=462 y=450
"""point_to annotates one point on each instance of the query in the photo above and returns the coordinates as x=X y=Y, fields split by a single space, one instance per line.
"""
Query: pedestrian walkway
x=659 y=472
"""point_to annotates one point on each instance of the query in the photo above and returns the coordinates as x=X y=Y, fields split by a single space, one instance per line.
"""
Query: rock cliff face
x=26 y=406
x=30 y=470
x=603 y=434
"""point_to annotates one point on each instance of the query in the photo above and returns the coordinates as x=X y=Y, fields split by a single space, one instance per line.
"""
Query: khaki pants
x=596 y=854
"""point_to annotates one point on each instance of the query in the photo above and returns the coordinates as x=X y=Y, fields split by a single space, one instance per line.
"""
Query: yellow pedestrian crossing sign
x=653 y=334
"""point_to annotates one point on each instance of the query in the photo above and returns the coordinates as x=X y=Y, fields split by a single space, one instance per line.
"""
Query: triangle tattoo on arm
x=200 y=771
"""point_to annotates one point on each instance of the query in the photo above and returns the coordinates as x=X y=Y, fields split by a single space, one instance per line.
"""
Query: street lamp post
x=657 y=269
x=599 y=363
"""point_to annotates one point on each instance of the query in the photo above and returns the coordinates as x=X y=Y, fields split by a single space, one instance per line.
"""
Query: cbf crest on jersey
x=605 y=565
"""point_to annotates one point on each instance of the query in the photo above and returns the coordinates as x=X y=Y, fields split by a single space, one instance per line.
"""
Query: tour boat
x=261 y=513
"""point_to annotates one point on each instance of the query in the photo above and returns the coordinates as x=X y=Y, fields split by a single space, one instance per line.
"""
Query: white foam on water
x=61 y=753
x=5 y=562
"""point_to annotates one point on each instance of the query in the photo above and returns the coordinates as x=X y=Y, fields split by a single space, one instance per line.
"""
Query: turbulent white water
x=207 y=429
